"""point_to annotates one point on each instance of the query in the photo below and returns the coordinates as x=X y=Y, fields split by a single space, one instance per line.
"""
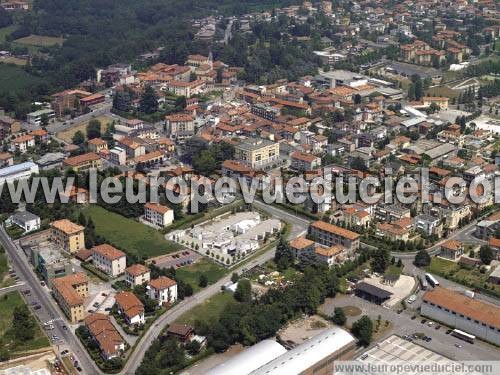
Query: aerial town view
x=249 y=187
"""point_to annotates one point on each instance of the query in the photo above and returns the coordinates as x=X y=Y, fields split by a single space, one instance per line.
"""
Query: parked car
x=37 y=307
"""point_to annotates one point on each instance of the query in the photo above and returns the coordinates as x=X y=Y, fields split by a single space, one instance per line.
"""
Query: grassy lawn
x=67 y=135
x=40 y=40
x=191 y=273
x=442 y=267
x=14 y=79
x=393 y=270
x=5 y=280
x=442 y=91
x=8 y=303
x=208 y=310
x=129 y=235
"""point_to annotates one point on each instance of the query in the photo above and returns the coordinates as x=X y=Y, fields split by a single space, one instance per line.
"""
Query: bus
x=431 y=280
x=423 y=282
x=463 y=335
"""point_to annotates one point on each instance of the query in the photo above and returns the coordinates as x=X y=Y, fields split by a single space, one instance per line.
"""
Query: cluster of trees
x=490 y=90
x=204 y=158
x=5 y=18
x=416 y=89
x=485 y=67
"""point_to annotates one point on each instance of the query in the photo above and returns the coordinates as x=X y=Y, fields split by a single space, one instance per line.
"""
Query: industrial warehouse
x=316 y=355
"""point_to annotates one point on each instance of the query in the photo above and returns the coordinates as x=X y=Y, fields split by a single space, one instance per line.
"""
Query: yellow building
x=68 y=235
x=83 y=162
x=256 y=152
x=439 y=101
x=69 y=292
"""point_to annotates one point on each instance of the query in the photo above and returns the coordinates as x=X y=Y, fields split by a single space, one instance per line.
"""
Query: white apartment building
x=163 y=289
x=109 y=260
x=158 y=215
x=137 y=274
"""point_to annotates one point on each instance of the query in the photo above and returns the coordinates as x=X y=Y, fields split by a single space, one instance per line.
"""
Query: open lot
x=8 y=303
x=129 y=235
x=67 y=135
x=300 y=330
x=471 y=278
x=14 y=60
x=40 y=40
x=209 y=310
x=400 y=289
x=191 y=274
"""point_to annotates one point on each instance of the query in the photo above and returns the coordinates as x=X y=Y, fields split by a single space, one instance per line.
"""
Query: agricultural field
x=442 y=91
x=129 y=235
x=67 y=135
x=40 y=41
x=8 y=339
x=14 y=60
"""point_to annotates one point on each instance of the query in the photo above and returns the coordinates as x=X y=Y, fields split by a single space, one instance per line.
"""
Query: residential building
x=429 y=225
x=8 y=126
x=50 y=264
x=103 y=332
x=109 y=259
x=130 y=307
x=163 y=290
x=256 y=152
x=97 y=144
x=330 y=235
x=137 y=274
x=467 y=314
x=452 y=249
x=301 y=246
x=330 y=255
x=22 y=143
x=6 y=159
x=67 y=235
x=304 y=162
x=180 y=125
x=118 y=156
x=158 y=215
x=83 y=162
x=69 y=292
x=25 y=220
x=181 y=332
x=35 y=118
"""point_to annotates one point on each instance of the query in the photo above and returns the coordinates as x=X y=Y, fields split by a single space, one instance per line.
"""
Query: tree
x=486 y=254
x=234 y=277
x=284 y=256
x=381 y=260
x=339 y=317
x=78 y=138
x=149 y=101
x=122 y=101
x=203 y=281
x=243 y=291
x=422 y=259
x=93 y=129
x=362 y=329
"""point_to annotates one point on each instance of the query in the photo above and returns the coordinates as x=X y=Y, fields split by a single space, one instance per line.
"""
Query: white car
x=430 y=324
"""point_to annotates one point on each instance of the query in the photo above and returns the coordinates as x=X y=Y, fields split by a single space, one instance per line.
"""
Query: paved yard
x=402 y=324
x=400 y=290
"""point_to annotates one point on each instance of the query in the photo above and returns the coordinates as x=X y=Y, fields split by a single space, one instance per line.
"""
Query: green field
x=14 y=79
x=40 y=41
x=441 y=266
x=129 y=235
x=8 y=303
x=209 y=310
x=191 y=274
x=4 y=268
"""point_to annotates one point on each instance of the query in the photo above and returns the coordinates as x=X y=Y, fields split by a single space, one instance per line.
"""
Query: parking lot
x=408 y=322
x=175 y=260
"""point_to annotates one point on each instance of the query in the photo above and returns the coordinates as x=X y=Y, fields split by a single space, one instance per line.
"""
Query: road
x=299 y=227
x=48 y=310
